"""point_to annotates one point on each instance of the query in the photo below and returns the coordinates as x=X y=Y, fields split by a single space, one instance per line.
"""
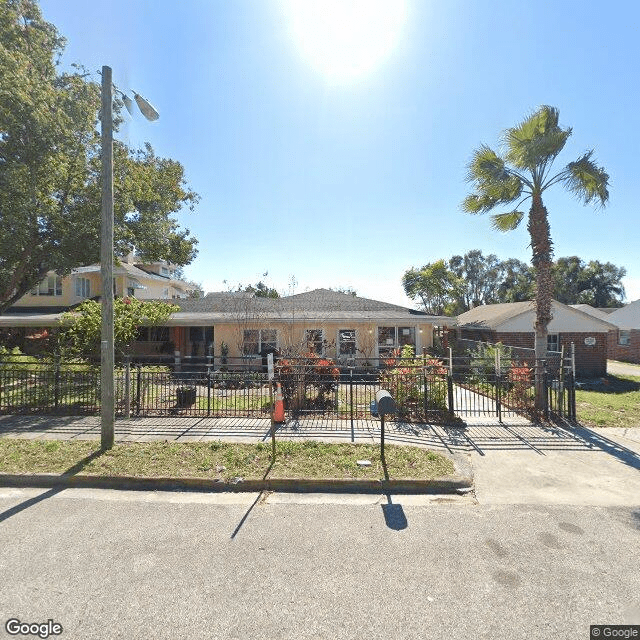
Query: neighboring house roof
x=628 y=317
x=507 y=316
x=30 y=320
x=593 y=311
x=491 y=316
x=130 y=270
x=319 y=304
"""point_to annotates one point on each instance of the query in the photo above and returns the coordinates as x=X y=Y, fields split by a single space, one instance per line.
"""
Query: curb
x=446 y=484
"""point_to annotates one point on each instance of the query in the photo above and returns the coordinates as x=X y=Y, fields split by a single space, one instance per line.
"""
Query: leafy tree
x=80 y=329
x=517 y=281
x=480 y=275
x=50 y=197
x=569 y=277
x=521 y=173
x=604 y=286
x=435 y=285
x=596 y=283
x=260 y=290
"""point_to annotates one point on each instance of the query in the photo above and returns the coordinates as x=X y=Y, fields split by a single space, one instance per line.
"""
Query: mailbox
x=386 y=404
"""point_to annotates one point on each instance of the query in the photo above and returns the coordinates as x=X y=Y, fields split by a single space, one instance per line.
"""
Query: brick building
x=513 y=325
x=624 y=342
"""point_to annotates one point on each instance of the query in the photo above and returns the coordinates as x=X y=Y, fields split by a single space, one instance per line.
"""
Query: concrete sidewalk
x=475 y=435
x=527 y=463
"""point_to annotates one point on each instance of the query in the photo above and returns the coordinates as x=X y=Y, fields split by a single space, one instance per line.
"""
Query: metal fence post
x=56 y=380
x=561 y=384
x=351 y=396
x=139 y=389
x=424 y=388
x=571 y=397
x=452 y=409
x=545 y=384
x=127 y=387
x=208 y=391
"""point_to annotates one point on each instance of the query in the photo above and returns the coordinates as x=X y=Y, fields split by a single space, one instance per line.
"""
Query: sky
x=328 y=141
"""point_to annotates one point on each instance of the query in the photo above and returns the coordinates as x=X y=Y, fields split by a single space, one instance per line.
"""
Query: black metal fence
x=425 y=389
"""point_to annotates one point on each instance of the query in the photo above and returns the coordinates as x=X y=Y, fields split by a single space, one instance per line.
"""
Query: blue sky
x=330 y=152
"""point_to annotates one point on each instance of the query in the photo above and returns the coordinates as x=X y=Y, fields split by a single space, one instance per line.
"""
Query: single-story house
x=624 y=338
x=624 y=343
x=338 y=325
x=513 y=325
x=242 y=326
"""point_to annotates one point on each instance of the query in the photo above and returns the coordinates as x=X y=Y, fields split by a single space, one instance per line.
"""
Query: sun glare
x=346 y=39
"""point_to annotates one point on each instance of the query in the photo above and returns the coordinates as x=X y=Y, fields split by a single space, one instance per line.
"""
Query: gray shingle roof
x=316 y=304
x=492 y=315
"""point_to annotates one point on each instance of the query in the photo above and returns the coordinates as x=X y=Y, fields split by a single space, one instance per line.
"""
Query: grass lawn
x=615 y=404
x=223 y=460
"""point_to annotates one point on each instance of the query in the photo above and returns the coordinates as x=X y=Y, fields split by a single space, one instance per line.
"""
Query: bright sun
x=346 y=39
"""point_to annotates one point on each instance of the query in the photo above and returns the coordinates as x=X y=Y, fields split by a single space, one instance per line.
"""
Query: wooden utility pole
x=107 y=356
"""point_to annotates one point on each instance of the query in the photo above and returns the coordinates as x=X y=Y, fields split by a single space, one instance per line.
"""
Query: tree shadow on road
x=71 y=471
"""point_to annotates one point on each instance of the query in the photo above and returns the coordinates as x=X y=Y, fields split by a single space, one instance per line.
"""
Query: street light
x=107 y=350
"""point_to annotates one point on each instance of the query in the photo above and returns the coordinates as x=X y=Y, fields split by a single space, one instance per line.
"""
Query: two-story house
x=132 y=278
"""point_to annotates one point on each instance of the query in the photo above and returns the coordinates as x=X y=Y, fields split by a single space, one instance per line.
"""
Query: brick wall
x=591 y=361
x=626 y=353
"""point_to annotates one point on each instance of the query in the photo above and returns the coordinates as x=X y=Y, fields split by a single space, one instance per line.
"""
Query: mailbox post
x=386 y=406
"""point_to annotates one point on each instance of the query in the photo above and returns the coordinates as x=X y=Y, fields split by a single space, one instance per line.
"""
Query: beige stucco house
x=340 y=326
x=337 y=325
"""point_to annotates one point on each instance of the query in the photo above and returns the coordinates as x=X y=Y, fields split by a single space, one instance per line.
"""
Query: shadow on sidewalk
x=600 y=442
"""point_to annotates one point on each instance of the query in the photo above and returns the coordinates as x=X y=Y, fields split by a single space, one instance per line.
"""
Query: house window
x=313 y=341
x=50 y=286
x=624 y=337
x=153 y=334
x=164 y=271
x=390 y=338
x=83 y=288
x=347 y=342
x=553 y=342
x=255 y=341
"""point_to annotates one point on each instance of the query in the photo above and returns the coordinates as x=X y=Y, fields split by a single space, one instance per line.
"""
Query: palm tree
x=523 y=172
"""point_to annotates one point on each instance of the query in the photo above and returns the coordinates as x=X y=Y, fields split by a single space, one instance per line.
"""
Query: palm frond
x=506 y=221
x=486 y=164
x=536 y=141
x=587 y=180
x=494 y=182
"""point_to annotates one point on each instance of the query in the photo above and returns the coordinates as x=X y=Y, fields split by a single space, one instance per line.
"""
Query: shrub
x=309 y=370
x=520 y=382
x=406 y=376
x=484 y=357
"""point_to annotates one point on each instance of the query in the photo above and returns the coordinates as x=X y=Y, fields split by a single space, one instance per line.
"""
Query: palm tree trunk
x=542 y=250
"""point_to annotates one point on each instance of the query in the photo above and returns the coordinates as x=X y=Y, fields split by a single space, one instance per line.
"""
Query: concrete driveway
x=616 y=368
x=598 y=467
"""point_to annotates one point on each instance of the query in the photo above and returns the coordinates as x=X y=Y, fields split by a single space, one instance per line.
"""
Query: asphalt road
x=109 y=564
